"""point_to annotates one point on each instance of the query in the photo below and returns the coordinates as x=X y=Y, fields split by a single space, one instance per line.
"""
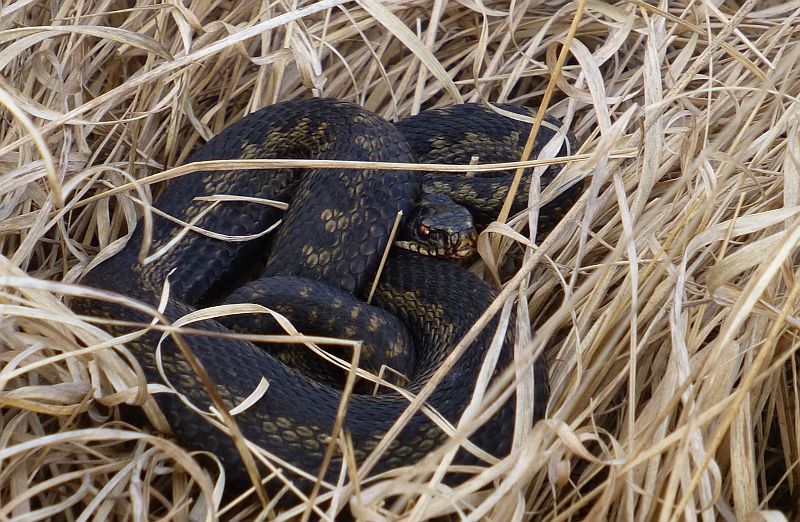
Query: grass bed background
x=666 y=303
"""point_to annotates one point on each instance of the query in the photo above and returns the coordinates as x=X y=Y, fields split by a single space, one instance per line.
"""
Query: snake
x=316 y=264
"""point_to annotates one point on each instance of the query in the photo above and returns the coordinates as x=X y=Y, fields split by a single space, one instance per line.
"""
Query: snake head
x=439 y=227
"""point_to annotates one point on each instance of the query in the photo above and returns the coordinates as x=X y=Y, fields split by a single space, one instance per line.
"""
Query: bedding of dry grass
x=666 y=302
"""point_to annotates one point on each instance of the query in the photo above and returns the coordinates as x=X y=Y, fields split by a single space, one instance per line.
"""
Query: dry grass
x=666 y=303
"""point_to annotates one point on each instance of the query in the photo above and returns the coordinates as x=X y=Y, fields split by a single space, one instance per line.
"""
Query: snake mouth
x=463 y=253
x=462 y=246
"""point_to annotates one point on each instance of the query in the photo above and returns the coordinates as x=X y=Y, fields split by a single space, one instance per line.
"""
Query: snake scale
x=327 y=247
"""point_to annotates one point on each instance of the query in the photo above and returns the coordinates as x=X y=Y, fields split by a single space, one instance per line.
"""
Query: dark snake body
x=329 y=245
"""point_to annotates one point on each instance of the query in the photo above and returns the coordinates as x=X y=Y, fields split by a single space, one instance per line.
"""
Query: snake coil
x=327 y=247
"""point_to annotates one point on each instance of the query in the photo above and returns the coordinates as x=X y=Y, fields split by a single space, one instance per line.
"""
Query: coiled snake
x=328 y=246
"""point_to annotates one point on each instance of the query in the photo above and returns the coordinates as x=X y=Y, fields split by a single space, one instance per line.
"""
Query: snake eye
x=423 y=230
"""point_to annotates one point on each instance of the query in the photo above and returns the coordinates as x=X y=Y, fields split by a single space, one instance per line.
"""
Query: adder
x=318 y=266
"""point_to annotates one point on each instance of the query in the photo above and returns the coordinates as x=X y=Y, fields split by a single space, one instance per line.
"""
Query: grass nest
x=666 y=302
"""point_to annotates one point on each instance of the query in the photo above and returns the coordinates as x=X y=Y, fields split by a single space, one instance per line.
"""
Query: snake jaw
x=469 y=246
x=466 y=246
x=459 y=246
